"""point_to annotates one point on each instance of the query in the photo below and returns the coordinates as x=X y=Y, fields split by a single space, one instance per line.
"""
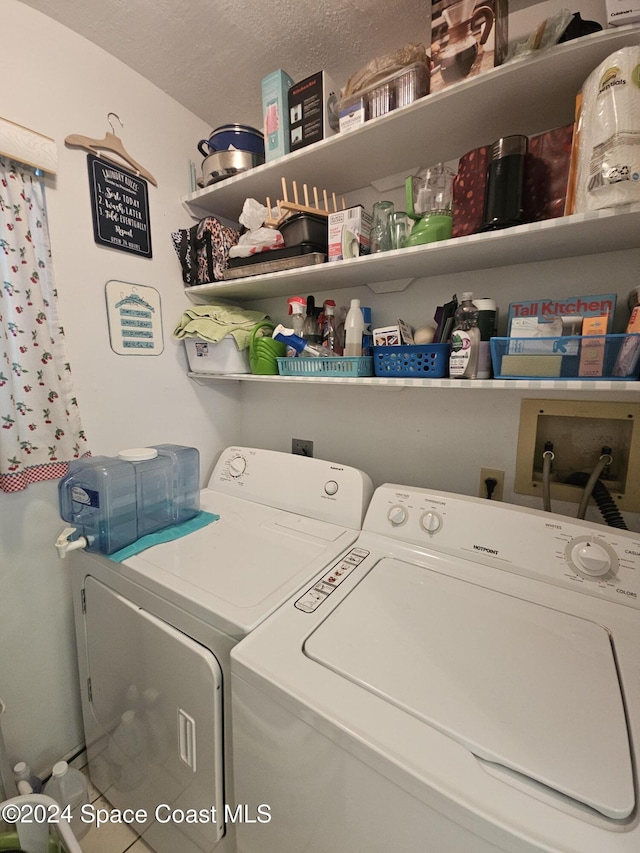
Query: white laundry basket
x=36 y=836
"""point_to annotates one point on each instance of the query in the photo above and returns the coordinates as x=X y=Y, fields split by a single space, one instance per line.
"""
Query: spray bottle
x=297 y=311
x=299 y=345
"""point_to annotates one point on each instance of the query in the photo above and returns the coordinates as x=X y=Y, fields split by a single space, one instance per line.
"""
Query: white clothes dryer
x=465 y=679
x=154 y=634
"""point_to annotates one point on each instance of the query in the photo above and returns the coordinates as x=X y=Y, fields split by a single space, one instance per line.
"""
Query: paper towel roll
x=608 y=162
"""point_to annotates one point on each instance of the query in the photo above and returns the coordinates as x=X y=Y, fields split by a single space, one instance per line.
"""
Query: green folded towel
x=214 y=322
x=168 y=534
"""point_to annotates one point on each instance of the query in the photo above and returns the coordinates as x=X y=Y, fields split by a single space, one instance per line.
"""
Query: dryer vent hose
x=603 y=499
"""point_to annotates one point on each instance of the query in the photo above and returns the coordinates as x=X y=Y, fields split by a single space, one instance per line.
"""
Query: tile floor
x=110 y=838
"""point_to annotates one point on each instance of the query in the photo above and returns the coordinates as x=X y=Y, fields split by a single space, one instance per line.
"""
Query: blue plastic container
x=112 y=502
x=98 y=497
x=412 y=361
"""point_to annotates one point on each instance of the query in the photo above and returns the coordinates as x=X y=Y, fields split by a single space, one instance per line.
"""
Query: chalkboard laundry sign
x=120 y=207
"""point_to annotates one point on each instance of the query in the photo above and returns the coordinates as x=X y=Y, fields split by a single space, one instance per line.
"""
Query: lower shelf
x=594 y=385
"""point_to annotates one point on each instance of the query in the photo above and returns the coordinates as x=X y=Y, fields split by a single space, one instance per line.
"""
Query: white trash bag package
x=608 y=129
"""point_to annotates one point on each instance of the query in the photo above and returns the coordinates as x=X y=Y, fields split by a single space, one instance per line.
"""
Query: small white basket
x=222 y=357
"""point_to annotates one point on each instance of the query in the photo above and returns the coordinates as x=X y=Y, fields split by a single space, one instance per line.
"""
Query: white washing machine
x=466 y=679
x=155 y=632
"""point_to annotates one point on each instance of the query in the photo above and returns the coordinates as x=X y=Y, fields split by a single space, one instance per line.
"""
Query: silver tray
x=275 y=266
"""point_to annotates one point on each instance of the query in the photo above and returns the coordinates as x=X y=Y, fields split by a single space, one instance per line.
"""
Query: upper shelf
x=525 y=97
x=606 y=230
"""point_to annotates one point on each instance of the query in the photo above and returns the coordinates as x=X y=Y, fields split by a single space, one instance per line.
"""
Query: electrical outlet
x=487 y=474
x=302 y=446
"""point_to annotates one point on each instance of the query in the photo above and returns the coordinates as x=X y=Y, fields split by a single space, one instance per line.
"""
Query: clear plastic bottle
x=329 y=326
x=299 y=345
x=465 y=340
x=353 y=330
x=311 y=330
x=127 y=752
x=68 y=787
x=23 y=773
x=297 y=311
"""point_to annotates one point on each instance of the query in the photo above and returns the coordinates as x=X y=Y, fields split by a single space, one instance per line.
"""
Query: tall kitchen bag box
x=467 y=38
x=275 y=114
x=313 y=110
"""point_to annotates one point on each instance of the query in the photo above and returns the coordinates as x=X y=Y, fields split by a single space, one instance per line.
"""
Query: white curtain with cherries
x=40 y=428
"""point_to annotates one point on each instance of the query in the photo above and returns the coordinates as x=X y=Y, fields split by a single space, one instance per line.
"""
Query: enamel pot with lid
x=233 y=136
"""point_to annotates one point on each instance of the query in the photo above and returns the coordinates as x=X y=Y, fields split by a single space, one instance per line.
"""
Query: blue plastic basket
x=426 y=361
x=335 y=366
x=567 y=357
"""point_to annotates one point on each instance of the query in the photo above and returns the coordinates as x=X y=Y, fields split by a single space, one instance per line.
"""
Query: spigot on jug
x=64 y=543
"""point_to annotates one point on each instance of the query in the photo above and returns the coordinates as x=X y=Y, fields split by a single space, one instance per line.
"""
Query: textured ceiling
x=210 y=55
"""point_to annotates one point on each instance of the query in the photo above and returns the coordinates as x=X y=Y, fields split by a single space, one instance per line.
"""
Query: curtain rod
x=27 y=146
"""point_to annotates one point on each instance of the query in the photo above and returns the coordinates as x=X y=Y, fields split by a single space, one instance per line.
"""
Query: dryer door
x=156 y=697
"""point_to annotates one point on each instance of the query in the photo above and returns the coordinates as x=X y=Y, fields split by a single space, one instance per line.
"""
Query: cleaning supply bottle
x=22 y=773
x=297 y=311
x=465 y=340
x=68 y=787
x=329 y=324
x=311 y=331
x=301 y=347
x=353 y=330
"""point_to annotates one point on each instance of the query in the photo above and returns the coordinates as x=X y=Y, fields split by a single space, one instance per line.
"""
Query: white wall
x=59 y=84
x=434 y=438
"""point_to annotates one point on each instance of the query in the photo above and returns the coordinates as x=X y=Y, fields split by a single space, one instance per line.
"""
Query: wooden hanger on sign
x=110 y=143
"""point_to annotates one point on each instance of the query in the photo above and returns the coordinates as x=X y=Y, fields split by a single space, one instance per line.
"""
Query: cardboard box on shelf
x=349 y=233
x=313 y=110
x=467 y=38
x=392 y=336
x=621 y=12
x=554 y=325
x=275 y=114
x=545 y=311
x=593 y=344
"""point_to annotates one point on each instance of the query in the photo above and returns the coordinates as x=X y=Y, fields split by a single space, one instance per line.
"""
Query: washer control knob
x=331 y=487
x=237 y=466
x=592 y=559
x=431 y=521
x=397 y=515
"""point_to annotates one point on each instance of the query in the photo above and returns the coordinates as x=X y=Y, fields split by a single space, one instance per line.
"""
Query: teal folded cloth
x=214 y=322
x=168 y=534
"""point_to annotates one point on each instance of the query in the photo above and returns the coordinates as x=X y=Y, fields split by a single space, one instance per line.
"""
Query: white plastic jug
x=68 y=787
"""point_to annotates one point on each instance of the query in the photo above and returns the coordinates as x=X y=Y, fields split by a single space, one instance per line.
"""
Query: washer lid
x=532 y=689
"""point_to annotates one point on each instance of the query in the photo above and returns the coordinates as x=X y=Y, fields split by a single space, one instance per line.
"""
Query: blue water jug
x=112 y=502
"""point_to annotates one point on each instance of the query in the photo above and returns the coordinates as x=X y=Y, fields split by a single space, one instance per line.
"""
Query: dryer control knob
x=592 y=560
x=431 y=521
x=237 y=466
x=397 y=515
x=331 y=487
